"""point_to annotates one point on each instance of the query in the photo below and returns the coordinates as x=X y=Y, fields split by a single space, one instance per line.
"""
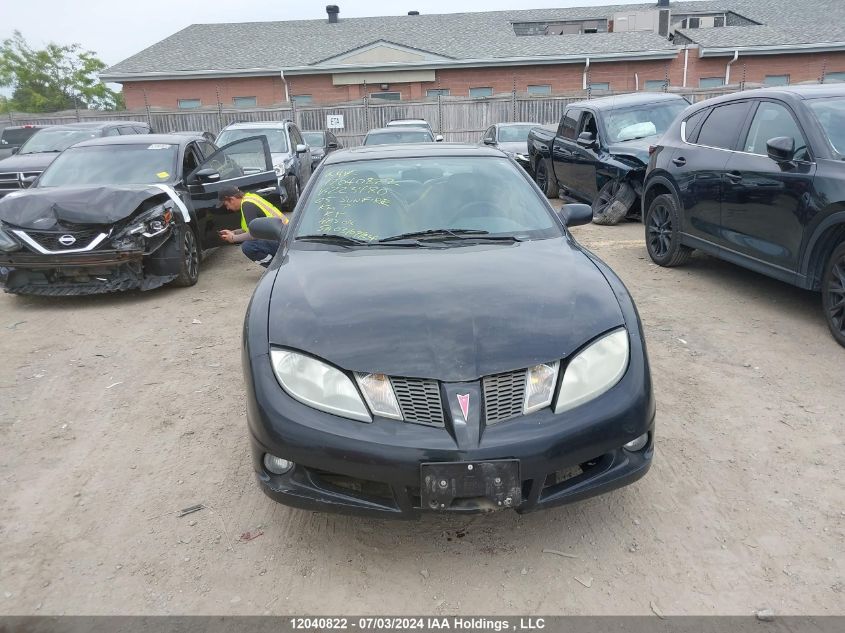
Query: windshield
x=53 y=140
x=276 y=137
x=377 y=199
x=139 y=164
x=398 y=136
x=627 y=124
x=514 y=133
x=16 y=135
x=314 y=139
x=831 y=114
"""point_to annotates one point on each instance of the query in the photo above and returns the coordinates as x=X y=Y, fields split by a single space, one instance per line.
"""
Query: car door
x=564 y=146
x=582 y=171
x=245 y=164
x=303 y=159
x=698 y=165
x=763 y=201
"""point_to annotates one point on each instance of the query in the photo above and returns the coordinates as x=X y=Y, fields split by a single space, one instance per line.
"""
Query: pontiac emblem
x=67 y=240
x=463 y=401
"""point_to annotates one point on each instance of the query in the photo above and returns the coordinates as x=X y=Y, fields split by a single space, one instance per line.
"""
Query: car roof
x=244 y=125
x=139 y=139
x=95 y=125
x=405 y=128
x=411 y=150
x=423 y=121
x=814 y=91
x=514 y=123
x=621 y=101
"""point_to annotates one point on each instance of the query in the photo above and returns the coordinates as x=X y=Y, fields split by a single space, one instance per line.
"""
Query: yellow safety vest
x=268 y=209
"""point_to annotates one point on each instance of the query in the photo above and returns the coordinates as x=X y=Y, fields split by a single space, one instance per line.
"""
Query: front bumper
x=374 y=469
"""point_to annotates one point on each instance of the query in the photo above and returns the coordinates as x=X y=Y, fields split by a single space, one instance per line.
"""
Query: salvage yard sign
x=334 y=121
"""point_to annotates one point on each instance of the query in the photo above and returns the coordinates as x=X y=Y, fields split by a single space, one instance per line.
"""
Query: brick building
x=703 y=43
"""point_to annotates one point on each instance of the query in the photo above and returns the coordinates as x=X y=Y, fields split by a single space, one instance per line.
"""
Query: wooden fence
x=458 y=119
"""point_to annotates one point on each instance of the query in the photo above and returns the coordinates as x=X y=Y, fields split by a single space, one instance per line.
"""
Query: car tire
x=662 y=232
x=189 y=262
x=613 y=202
x=833 y=293
x=546 y=182
x=293 y=193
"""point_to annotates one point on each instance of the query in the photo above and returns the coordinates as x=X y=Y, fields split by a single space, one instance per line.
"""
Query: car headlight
x=149 y=223
x=7 y=242
x=318 y=385
x=378 y=392
x=280 y=170
x=540 y=382
x=593 y=371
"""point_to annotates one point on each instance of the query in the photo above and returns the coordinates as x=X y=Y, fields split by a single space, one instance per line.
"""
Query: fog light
x=276 y=465
x=637 y=444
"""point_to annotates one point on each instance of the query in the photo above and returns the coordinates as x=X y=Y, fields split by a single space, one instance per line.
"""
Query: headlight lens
x=540 y=382
x=378 y=392
x=594 y=371
x=150 y=222
x=318 y=385
x=7 y=243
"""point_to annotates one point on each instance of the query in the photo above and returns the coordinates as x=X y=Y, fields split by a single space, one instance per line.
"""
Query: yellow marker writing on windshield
x=162 y=174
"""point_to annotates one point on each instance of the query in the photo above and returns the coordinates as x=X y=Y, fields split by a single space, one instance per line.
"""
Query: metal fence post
x=147 y=107
x=824 y=70
x=744 y=74
x=666 y=78
x=439 y=113
x=513 y=100
x=366 y=108
x=220 y=125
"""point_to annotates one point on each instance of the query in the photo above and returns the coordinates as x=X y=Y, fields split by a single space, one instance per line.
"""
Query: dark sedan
x=321 y=143
x=440 y=343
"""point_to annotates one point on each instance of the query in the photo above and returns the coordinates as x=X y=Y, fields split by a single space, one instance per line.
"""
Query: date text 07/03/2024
x=419 y=624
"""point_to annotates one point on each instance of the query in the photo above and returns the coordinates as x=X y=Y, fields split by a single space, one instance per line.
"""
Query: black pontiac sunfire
x=430 y=337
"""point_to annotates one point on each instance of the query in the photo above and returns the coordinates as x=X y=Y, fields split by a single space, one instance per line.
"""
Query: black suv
x=756 y=178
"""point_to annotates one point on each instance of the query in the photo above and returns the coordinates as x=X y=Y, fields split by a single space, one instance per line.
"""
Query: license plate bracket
x=496 y=484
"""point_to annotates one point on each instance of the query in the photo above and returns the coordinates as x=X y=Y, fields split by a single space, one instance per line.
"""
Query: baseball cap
x=227 y=192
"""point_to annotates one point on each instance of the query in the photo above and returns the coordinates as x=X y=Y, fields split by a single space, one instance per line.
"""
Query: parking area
x=118 y=411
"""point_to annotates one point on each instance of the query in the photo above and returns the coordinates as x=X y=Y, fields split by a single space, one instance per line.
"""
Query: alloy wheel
x=541 y=177
x=836 y=295
x=606 y=195
x=659 y=231
x=191 y=255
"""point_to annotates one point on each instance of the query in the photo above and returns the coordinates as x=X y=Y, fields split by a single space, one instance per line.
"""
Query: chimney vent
x=413 y=12
x=333 y=10
x=663 y=4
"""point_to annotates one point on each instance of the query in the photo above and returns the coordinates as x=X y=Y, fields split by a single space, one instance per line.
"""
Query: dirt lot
x=117 y=411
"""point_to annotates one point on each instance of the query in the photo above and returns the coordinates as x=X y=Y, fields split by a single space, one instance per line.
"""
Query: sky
x=115 y=32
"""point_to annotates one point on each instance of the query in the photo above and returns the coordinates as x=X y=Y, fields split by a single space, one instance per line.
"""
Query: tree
x=57 y=77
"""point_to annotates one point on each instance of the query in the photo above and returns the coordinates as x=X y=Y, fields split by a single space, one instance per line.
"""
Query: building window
x=711 y=82
x=386 y=96
x=776 y=80
x=477 y=93
x=302 y=99
x=694 y=23
x=545 y=89
x=599 y=86
x=719 y=20
x=435 y=92
x=189 y=104
x=838 y=76
x=245 y=102
x=655 y=85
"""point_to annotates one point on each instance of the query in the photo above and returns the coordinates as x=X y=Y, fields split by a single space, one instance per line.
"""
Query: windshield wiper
x=332 y=238
x=459 y=234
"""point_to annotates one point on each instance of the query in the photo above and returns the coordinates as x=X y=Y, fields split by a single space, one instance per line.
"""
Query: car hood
x=38 y=161
x=451 y=314
x=515 y=147
x=636 y=148
x=52 y=207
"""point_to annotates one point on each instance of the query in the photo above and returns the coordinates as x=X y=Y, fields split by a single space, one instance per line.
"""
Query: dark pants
x=261 y=251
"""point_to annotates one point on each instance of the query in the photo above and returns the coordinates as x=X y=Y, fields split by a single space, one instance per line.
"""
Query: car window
x=692 y=125
x=276 y=137
x=375 y=199
x=399 y=136
x=56 y=140
x=514 y=133
x=770 y=121
x=830 y=112
x=588 y=124
x=191 y=160
x=724 y=125
x=135 y=163
x=314 y=139
x=242 y=158
x=112 y=131
x=295 y=136
x=206 y=148
x=569 y=124
x=16 y=135
x=631 y=123
x=139 y=129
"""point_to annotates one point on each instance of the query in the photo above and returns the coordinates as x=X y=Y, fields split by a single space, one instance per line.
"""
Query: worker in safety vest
x=250 y=206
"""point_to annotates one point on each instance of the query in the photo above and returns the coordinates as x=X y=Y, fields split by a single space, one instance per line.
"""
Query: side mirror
x=15 y=150
x=301 y=148
x=586 y=139
x=331 y=145
x=208 y=174
x=272 y=229
x=576 y=214
x=438 y=138
x=781 y=149
x=489 y=141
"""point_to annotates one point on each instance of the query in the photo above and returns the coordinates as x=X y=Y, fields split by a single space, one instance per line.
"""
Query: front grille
x=50 y=239
x=504 y=395
x=12 y=180
x=419 y=400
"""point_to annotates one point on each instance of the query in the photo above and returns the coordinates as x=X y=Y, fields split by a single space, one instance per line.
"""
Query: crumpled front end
x=139 y=253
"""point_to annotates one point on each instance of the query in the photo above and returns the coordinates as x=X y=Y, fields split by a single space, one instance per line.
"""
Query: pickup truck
x=599 y=152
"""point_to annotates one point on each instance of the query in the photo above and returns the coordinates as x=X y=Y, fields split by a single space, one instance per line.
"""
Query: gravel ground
x=117 y=411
